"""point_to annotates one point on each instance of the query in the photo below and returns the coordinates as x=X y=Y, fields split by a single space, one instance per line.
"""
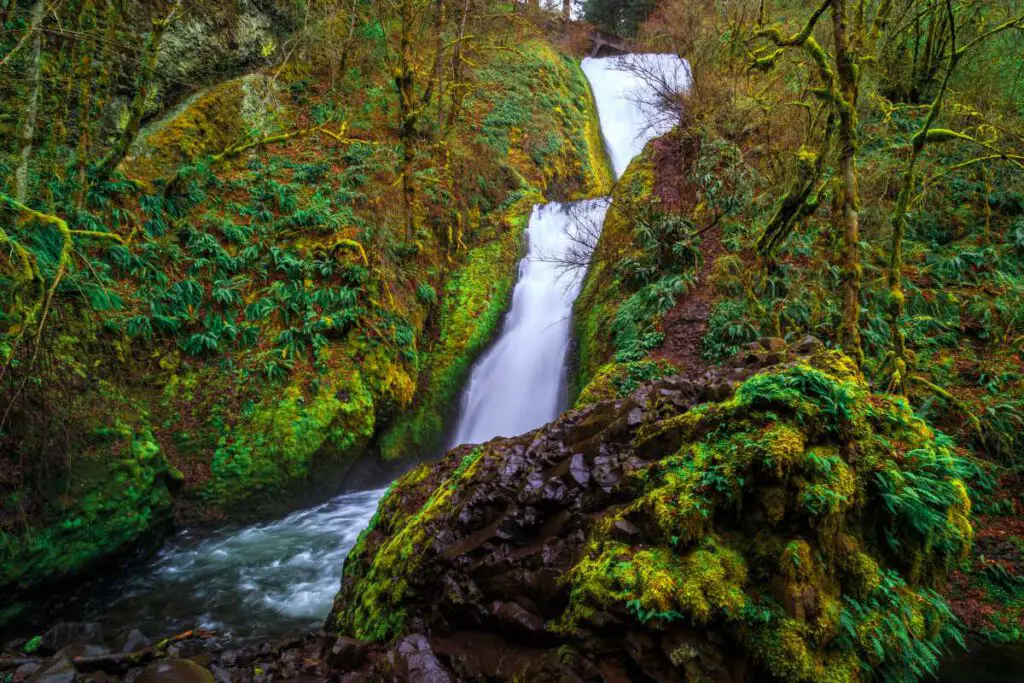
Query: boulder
x=769 y=520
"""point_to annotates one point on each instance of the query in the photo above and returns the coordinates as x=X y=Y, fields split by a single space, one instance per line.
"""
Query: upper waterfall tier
x=627 y=90
x=520 y=383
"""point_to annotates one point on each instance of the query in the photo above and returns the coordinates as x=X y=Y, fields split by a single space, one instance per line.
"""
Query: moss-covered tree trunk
x=143 y=85
x=28 y=124
x=848 y=221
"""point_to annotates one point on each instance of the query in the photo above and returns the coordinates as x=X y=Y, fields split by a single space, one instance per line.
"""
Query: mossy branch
x=957 y=403
x=802 y=199
x=353 y=245
x=26 y=213
x=246 y=145
x=800 y=37
x=1015 y=159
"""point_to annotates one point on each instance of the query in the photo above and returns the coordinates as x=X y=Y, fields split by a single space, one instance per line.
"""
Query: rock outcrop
x=769 y=520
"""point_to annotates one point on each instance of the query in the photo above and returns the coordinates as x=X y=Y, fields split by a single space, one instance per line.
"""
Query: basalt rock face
x=770 y=520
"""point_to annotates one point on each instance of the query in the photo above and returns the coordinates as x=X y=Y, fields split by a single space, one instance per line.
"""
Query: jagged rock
x=711 y=529
x=414 y=661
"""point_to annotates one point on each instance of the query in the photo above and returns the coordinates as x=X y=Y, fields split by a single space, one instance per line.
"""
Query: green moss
x=656 y=584
x=767 y=464
x=376 y=609
x=117 y=496
x=277 y=442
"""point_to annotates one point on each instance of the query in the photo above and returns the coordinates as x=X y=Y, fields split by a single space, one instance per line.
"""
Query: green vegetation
x=281 y=273
x=920 y=281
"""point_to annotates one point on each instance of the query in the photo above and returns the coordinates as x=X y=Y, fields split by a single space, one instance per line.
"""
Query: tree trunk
x=566 y=11
x=457 y=87
x=28 y=125
x=143 y=83
x=898 y=220
x=849 y=220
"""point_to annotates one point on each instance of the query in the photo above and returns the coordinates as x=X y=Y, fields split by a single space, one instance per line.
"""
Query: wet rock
x=347 y=654
x=135 y=641
x=414 y=661
x=72 y=633
x=772 y=344
x=220 y=674
x=24 y=671
x=578 y=470
x=175 y=671
x=556 y=554
x=56 y=670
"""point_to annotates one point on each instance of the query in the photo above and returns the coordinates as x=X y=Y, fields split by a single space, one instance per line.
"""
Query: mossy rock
x=777 y=521
x=205 y=124
x=278 y=441
x=117 y=498
x=618 y=380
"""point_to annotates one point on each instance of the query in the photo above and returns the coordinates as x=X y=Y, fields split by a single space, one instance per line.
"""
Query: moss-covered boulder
x=771 y=520
x=118 y=498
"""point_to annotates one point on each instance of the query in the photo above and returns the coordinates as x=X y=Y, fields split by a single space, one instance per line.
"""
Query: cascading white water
x=279 y=577
x=519 y=384
x=627 y=102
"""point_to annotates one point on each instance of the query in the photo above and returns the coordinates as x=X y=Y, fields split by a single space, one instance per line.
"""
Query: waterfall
x=279 y=577
x=520 y=382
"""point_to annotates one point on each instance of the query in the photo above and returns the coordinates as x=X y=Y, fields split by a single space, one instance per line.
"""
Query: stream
x=280 y=577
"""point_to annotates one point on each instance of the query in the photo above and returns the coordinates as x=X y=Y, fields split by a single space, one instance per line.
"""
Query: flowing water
x=280 y=577
x=520 y=383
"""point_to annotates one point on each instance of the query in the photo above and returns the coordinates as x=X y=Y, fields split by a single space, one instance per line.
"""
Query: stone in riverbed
x=175 y=671
x=414 y=662
x=24 y=671
x=135 y=641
